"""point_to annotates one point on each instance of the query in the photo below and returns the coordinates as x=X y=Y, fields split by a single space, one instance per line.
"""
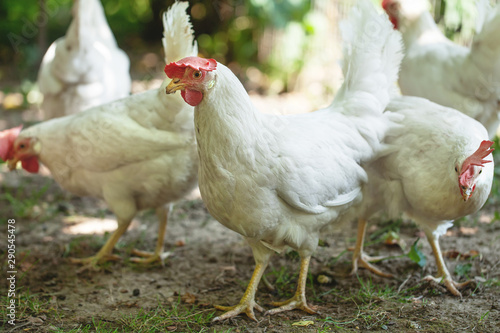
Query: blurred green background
x=268 y=43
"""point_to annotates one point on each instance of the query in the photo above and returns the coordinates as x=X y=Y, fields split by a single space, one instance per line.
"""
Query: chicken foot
x=298 y=301
x=444 y=276
x=359 y=258
x=148 y=257
x=105 y=253
x=247 y=302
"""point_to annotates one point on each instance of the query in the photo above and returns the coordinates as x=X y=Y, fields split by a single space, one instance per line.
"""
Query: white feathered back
x=485 y=49
x=372 y=53
x=178 y=40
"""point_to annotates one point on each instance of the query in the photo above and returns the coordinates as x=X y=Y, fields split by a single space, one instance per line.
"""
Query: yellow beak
x=466 y=194
x=12 y=164
x=174 y=85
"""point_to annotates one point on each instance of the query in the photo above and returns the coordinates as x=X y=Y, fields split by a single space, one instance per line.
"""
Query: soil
x=209 y=264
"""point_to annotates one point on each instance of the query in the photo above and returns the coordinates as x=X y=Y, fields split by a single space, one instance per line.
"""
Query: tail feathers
x=485 y=49
x=178 y=40
x=372 y=55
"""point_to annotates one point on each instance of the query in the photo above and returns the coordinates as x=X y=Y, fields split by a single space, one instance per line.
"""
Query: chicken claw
x=247 y=302
x=359 y=258
x=243 y=307
x=363 y=260
x=451 y=285
x=92 y=263
x=147 y=258
x=444 y=276
x=298 y=301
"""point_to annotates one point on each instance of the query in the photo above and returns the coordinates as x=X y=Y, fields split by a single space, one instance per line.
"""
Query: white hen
x=434 y=172
x=283 y=180
x=136 y=153
x=446 y=73
x=85 y=68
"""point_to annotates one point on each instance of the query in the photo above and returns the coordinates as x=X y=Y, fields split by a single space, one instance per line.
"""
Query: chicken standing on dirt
x=284 y=180
x=437 y=170
x=85 y=68
x=446 y=73
x=135 y=153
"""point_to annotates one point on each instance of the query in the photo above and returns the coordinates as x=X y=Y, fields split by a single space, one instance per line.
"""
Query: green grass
x=176 y=317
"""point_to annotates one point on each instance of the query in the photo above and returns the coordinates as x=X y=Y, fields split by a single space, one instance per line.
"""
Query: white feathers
x=372 y=54
x=178 y=40
x=85 y=68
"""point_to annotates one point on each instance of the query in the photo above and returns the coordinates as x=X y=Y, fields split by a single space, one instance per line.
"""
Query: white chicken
x=283 y=180
x=466 y=79
x=434 y=172
x=85 y=68
x=136 y=153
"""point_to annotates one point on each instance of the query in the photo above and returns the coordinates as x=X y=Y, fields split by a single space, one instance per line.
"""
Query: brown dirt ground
x=210 y=264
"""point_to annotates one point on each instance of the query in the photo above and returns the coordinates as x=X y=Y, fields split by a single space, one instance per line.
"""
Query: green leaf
x=416 y=255
x=463 y=270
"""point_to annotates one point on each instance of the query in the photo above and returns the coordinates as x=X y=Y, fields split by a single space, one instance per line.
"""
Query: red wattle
x=192 y=97
x=31 y=164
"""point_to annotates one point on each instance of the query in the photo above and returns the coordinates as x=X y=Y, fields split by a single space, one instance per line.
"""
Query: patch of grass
x=27 y=305
x=22 y=203
x=178 y=317
x=282 y=279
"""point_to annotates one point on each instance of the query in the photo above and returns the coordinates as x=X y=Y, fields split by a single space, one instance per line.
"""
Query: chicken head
x=192 y=76
x=14 y=149
x=399 y=10
x=472 y=168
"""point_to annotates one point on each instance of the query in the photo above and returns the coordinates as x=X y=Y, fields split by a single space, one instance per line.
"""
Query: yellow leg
x=359 y=258
x=298 y=301
x=247 y=302
x=148 y=257
x=105 y=253
x=444 y=276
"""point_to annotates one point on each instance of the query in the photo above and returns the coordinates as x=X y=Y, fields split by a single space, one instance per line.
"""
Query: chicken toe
x=452 y=286
x=247 y=302
x=444 y=276
x=359 y=258
x=146 y=258
x=298 y=301
x=158 y=256
x=363 y=260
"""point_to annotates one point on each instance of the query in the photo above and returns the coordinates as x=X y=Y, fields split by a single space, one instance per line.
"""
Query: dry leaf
x=468 y=231
x=303 y=323
x=180 y=243
x=452 y=254
x=324 y=279
x=188 y=298
x=35 y=321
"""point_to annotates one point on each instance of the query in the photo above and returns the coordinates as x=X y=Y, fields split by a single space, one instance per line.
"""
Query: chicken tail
x=178 y=40
x=372 y=55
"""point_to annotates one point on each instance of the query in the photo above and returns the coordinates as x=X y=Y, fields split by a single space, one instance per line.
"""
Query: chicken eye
x=456 y=170
x=197 y=74
x=480 y=171
x=22 y=146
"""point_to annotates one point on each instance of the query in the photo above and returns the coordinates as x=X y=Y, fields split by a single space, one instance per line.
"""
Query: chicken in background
x=85 y=68
x=284 y=180
x=466 y=79
x=437 y=170
x=136 y=153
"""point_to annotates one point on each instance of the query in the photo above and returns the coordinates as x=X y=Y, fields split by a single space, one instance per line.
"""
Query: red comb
x=385 y=3
x=477 y=157
x=7 y=138
x=176 y=69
